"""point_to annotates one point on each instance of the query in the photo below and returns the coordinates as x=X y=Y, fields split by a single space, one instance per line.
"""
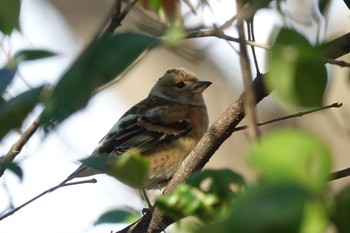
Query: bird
x=164 y=128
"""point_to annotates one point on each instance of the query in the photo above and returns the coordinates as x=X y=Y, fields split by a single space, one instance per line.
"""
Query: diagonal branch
x=117 y=16
x=19 y=144
x=44 y=193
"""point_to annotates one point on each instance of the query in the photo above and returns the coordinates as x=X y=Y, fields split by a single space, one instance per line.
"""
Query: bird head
x=180 y=85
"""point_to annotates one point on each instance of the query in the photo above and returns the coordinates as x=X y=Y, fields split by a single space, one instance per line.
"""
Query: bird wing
x=141 y=133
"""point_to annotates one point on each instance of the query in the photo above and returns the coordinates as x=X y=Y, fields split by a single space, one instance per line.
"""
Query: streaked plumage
x=164 y=127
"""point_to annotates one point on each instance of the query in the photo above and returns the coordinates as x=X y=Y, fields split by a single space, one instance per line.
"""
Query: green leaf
x=9 y=15
x=187 y=201
x=117 y=216
x=14 y=111
x=130 y=169
x=6 y=76
x=17 y=170
x=292 y=155
x=323 y=5
x=219 y=182
x=101 y=62
x=32 y=54
x=340 y=215
x=297 y=71
x=174 y=34
x=154 y=5
x=205 y=194
x=266 y=208
x=347 y=3
x=315 y=218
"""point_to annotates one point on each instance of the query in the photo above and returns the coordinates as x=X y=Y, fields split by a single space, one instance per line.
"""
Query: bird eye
x=180 y=84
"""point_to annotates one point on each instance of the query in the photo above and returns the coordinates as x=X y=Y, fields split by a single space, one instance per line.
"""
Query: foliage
x=297 y=70
x=291 y=193
x=130 y=169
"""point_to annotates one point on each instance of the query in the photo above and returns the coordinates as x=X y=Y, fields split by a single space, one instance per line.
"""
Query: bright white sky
x=47 y=161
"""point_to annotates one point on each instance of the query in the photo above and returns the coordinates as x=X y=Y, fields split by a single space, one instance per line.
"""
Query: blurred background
x=65 y=27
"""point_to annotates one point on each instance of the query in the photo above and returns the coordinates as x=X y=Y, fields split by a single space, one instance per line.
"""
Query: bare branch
x=340 y=174
x=19 y=144
x=251 y=36
x=299 y=114
x=44 y=193
x=249 y=101
x=221 y=35
x=118 y=16
x=340 y=63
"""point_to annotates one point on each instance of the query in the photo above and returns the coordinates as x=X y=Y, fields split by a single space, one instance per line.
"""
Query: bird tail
x=82 y=171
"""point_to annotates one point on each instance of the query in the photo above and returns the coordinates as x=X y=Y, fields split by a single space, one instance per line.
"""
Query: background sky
x=48 y=160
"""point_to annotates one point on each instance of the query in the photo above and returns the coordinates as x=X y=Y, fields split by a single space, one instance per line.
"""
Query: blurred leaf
x=221 y=182
x=187 y=201
x=323 y=5
x=297 y=71
x=130 y=169
x=151 y=4
x=292 y=155
x=347 y=3
x=29 y=55
x=266 y=208
x=14 y=111
x=17 y=170
x=117 y=216
x=341 y=213
x=6 y=76
x=315 y=218
x=101 y=62
x=9 y=15
x=167 y=9
x=2 y=101
x=170 y=8
x=205 y=194
x=174 y=34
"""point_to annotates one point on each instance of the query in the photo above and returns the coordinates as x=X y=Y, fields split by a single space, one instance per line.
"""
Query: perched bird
x=164 y=127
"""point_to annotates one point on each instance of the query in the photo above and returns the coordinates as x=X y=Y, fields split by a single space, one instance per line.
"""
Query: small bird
x=164 y=127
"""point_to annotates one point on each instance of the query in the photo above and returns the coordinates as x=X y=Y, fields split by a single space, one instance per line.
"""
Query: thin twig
x=44 y=193
x=221 y=35
x=299 y=114
x=340 y=174
x=118 y=16
x=340 y=63
x=251 y=37
x=19 y=144
x=249 y=101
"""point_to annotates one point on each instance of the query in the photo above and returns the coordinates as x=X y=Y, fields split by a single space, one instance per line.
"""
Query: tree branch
x=340 y=63
x=44 y=193
x=249 y=103
x=299 y=114
x=340 y=174
x=19 y=144
x=118 y=16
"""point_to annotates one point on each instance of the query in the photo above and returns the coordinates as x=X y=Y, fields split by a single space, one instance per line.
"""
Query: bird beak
x=201 y=86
